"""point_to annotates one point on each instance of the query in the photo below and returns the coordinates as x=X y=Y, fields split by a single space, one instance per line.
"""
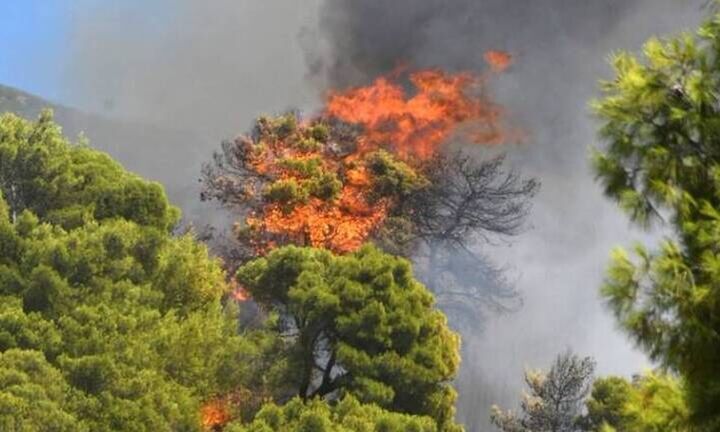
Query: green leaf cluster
x=33 y=394
x=392 y=177
x=309 y=179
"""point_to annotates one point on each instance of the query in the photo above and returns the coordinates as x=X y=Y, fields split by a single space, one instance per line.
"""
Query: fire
x=341 y=227
x=499 y=61
x=215 y=414
x=310 y=195
x=238 y=292
x=319 y=182
x=415 y=126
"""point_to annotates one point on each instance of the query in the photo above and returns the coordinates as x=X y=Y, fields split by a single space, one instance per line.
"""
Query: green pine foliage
x=107 y=321
x=348 y=415
x=661 y=123
x=110 y=322
x=70 y=185
x=360 y=324
x=392 y=177
x=653 y=402
x=33 y=394
x=606 y=404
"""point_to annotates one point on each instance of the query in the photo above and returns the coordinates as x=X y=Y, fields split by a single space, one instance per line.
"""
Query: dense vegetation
x=347 y=416
x=566 y=399
x=361 y=325
x=106 y=318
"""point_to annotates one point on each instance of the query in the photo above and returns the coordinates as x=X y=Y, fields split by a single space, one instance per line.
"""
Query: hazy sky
x=31 y=45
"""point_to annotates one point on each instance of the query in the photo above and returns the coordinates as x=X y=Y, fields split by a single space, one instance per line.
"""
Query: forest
x=355 y=263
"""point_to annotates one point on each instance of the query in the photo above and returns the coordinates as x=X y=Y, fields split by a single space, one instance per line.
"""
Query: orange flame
x=238 y=293
x=412 y=127
x=415 y=126
x=341 y=227
x=499 y=61
x=215 y=414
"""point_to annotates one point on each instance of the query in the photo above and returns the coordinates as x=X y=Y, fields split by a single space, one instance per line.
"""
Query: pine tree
x=661 y=124
x=555 y=400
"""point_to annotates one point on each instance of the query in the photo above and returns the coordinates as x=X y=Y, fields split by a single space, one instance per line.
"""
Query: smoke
x=204 y=70
x=177 y=77
x=561 y=48
x=187 y=64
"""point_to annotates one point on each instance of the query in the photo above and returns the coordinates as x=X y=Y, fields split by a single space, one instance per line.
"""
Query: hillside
x=172 y=157
x=22 y=103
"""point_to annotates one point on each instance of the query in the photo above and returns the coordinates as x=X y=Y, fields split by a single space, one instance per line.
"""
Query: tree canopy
x=70 y=185
x=661 y=124
x=360 y=324
x=348 y=415
x=33 y=394
x=318 y=182
x=652 y=402
x=555 y=399
x=107 y=321
x=565 y=399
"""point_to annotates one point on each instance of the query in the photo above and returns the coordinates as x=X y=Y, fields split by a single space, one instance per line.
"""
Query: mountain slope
x=172 y=157
x=24 y=104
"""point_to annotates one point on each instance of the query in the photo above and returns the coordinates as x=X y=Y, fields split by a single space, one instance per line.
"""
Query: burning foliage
x=372 y=167
x=241 y=403
x=334 y=180
x=305 y=186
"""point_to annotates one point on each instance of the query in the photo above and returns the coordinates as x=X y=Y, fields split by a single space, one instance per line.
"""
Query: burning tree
x=372 y=167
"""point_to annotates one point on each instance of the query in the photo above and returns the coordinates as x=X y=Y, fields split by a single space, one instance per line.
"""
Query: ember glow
x=327 y=181
x=498 y=60
x=238 y=293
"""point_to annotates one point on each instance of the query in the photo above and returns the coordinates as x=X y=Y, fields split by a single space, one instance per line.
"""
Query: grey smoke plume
x=182 y=75
x=204 y=69
x=561 y=49
x=209 y=65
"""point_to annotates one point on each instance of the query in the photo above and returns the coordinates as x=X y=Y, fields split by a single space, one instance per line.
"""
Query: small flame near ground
x=238 y=292
x=215 y=414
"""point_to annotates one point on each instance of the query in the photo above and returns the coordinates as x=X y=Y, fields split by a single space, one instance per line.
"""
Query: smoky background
x=168 y=80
